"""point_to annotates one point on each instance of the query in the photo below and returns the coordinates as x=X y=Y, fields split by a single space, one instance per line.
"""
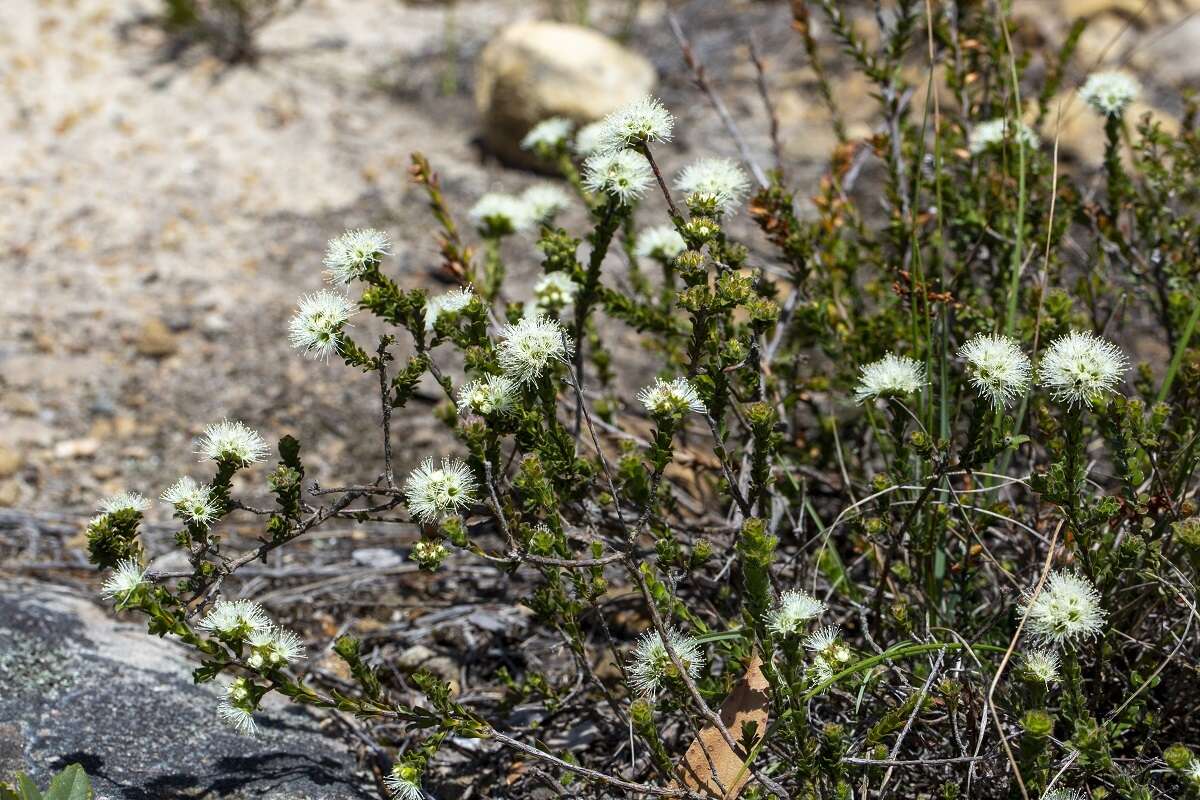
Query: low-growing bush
x=909 y=509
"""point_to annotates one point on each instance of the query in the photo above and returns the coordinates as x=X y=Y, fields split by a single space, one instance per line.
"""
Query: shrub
x=895 y=497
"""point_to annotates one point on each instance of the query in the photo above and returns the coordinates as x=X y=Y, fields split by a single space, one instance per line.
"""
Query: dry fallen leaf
x=747 y=703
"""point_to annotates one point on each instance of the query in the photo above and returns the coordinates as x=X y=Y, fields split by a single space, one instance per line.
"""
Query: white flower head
x=1065 y=794
x=890 y=376
x=1080 y=367
x=528 y=347
x=662 y=242
x=230 y=440
x=352 y=254
x=623 y=174
x=124 y=501
x=127 y=577
x=550 y=132
x=451 y=302
x=236 y=619
x=994 y=131
x=1110 y=93
x=404 y=782
x=823 y=640
x=544 y=202
x=554 y=291
x=1043 y=664
x=316 y=328
x=1066 y=610
x=589 y=138
x=434 y=492
x=673 y=397
x=644 y=120
x=1193 y=771
x=493 y=394
x=820 y=671
x=650 y=665
x=717 y=180
x=191 y=501
x=496 y=214
x=996 y=367
x=796 y=607
x=273 y=647
x=236 y=717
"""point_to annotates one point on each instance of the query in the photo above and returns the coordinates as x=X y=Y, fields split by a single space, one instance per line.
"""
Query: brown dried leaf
x=709 y=753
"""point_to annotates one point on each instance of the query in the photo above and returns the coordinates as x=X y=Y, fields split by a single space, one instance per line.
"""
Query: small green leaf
x=70 y=784
x=26 y=788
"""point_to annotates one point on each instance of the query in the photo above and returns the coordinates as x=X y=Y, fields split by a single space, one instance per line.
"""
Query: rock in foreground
x=77 y=686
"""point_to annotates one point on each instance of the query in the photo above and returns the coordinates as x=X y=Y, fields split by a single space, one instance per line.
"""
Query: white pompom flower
x=997 y=368
x=589 y=138
x=551 y=132
x=621 y=174
x=436 y=491
x=1042 y=664
x=796 y=607
x=1066 y=610
x=404 y=782
x=544 y=202
x=451 y=302
x=671 y=398
x=1110 y=93
x=1193 y=771
x=650 y=666
x=642 y=121
x=235 y=709
x=316 y=328
x=1080 y=367
x=716 y=180
x=125 y=579
x=273 y=647
x=124 y=501
x=528 y=347
x=236 y=619
x=351 y=255
x=890 y=376
x=496 y=214
x=191 y=501
x=491 y=395
x=232 y=441
x=987 y=134
x=554 y=291
x=662 y=242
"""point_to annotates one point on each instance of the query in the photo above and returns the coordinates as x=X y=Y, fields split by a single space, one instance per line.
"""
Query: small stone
x=76 y=448
x=10 y=461
x=10 y=493
x=412 y=658
x=376 y=557
x=155 y=340
x=535 y=70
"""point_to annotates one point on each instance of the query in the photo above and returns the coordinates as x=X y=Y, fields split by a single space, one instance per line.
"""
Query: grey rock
x=78 y=686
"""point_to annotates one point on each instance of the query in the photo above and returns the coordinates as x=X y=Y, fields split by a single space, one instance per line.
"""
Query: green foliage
x=70 y=784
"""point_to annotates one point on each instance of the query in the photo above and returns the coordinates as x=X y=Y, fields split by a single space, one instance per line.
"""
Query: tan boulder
x=534 y=70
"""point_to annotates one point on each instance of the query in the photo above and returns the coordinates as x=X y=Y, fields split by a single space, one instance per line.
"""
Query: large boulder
x=535 y=70
x=77 y=686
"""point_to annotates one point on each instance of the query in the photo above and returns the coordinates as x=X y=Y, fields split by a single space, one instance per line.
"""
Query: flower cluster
x=492 y=394
x=996 y=131
x=718 y=182
x=1109 y=93
x=621 y=174
x=192 y=502
x=451 y=302
x=640 y=122
x=997 y=368
x=671 y=398
x=662 y=242
x=527 y=348
x=1080 y=367
x=316 y=328
x=890 y=376
x=651 y=667
x=434 y=492
x=795 y=609
x=232 y=442
x=1066 y=610
x=350 y=256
